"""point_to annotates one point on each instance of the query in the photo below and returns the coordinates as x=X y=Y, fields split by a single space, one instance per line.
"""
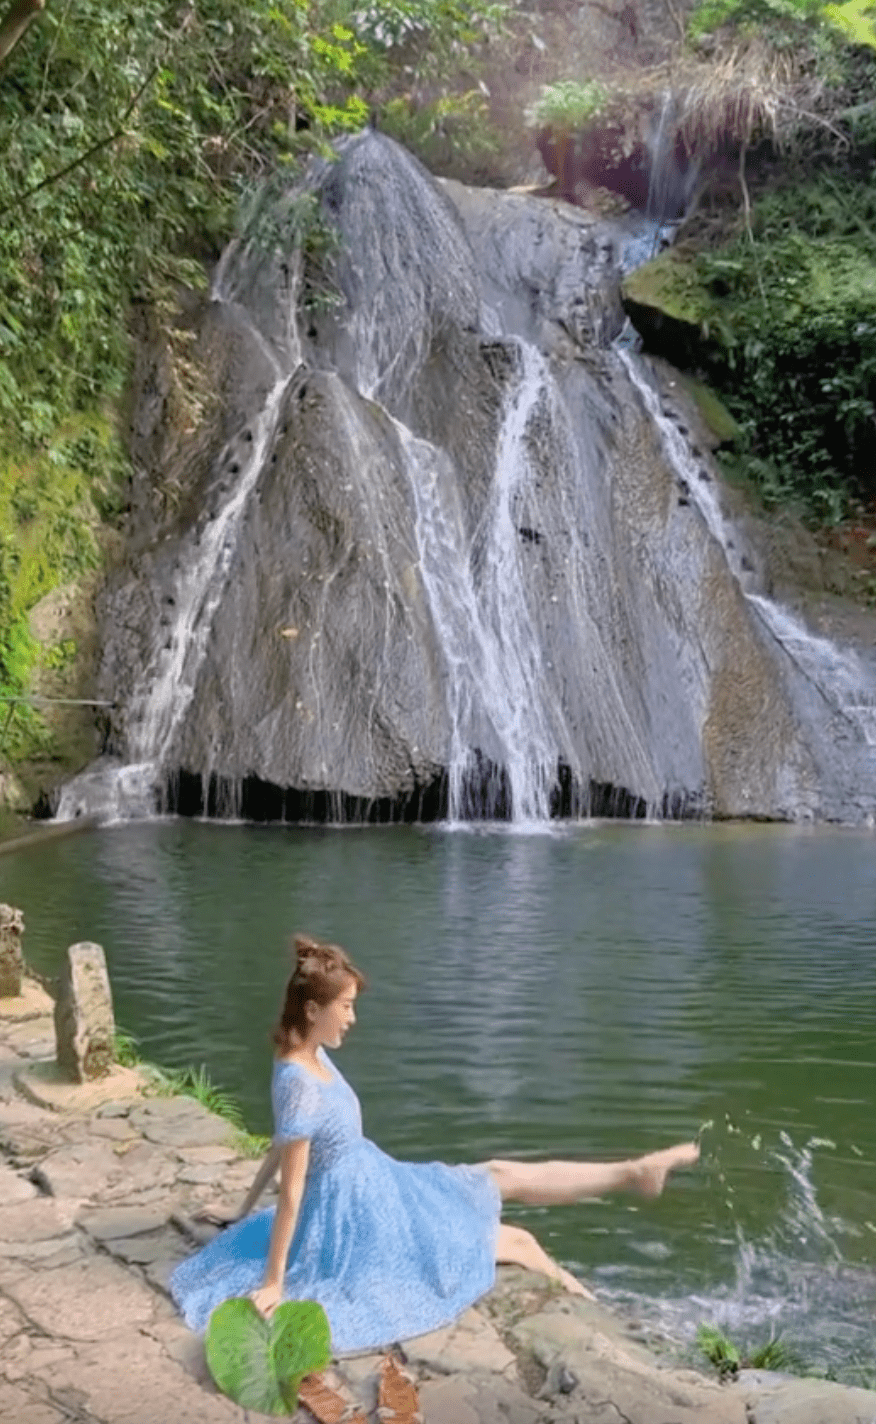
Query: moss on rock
x=784 y=329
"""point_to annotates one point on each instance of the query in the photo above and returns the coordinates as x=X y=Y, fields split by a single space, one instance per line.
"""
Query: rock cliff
x=441 y=545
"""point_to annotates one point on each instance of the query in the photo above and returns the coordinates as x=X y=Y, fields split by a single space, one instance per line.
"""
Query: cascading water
x=478 y=596
x=160 y=704
x=839 y=676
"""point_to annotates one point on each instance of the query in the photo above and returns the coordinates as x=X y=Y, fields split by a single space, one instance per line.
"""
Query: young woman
x=389 y=1249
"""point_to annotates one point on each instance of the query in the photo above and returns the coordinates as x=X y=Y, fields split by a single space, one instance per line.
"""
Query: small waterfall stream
x=839 y=676
x=163 y=699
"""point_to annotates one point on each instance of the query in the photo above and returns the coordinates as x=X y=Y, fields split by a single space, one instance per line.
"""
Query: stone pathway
x=97 y=1187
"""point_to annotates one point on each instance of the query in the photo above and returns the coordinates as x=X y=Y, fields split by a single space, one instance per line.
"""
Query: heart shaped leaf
x=260 y=1363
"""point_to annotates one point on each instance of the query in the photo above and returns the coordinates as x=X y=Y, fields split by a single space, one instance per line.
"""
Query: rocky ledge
x=98 y=1185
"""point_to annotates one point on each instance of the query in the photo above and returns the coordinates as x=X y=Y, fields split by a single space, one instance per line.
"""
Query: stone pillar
x=84 y=1023
x=11 y=960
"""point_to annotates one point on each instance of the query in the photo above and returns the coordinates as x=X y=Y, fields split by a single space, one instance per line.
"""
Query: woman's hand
x=266 y=1299
x=217 y=1214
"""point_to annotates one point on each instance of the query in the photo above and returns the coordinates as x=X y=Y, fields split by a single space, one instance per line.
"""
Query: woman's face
x=333 y=1021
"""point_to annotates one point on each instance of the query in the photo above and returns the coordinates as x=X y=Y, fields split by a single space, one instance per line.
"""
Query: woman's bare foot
x=650 y=1172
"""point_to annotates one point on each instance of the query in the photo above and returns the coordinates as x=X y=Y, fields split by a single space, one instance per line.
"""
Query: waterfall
x=840 y=678
x=161 y=702
x=478 y=597
x=439 y=545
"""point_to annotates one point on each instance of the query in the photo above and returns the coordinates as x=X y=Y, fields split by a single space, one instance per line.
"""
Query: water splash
x=791 y=1279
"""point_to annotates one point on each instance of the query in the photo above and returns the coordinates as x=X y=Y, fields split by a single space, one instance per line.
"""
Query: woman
x=389 y=1249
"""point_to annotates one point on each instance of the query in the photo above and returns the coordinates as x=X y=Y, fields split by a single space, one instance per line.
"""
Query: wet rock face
x=324 y=626
x=433 y=535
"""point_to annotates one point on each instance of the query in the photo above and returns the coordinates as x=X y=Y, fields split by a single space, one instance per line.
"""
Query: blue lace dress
x=389 y=1249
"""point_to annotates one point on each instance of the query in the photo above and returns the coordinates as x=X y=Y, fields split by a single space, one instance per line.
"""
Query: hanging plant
x=260 y=1363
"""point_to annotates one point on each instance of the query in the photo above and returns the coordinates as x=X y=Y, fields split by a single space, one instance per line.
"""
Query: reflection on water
x=592 y=992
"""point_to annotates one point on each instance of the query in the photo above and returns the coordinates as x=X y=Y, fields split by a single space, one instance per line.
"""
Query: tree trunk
x=16 y=21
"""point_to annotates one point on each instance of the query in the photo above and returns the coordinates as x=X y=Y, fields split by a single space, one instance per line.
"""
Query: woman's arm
x=221 y=1215
x=294 y=1157
x=264 y=1174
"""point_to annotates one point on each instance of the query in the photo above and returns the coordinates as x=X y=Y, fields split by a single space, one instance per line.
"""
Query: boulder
x=84 y=1023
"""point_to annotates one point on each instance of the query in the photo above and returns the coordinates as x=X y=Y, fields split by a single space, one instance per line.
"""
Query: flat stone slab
x=471 y=1342
x=14 y=1187
x=79 y=1169
x=116 y=1384
x=463 y=1399
x=18 y=1405
x=33 y=1039
x=46 y=1086
x=180 y=1122
x=35 y=1220
x=32 y=1003
x=162 y=1249
x=786 y=1400
x=145 y=1175
x=118 y=1222
x=94 y=1299
x=195 y=1156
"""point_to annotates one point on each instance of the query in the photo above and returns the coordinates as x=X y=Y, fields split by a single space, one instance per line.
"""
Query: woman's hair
x=322 y=972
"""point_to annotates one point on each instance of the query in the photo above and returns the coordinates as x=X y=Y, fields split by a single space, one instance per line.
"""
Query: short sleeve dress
x=389 y=1249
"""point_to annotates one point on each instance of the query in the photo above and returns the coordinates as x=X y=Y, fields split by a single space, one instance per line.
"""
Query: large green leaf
x=260 y=1363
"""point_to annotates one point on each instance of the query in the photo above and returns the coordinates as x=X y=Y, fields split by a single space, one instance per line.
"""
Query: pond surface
x=592 y=991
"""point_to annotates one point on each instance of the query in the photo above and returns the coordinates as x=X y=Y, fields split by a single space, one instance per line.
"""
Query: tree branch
x=95 y=147
x=16 y=21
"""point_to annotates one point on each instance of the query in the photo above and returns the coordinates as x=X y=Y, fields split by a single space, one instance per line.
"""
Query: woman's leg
x=563 y=1183
x=519 y=1248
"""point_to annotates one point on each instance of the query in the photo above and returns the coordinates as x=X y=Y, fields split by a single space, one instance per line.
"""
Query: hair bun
x=312 y=954
x=305 y=946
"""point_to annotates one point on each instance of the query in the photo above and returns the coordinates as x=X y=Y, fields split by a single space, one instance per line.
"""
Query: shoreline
x=98 y=1184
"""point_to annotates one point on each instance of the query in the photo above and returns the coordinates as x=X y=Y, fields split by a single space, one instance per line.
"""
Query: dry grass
x=748 y=89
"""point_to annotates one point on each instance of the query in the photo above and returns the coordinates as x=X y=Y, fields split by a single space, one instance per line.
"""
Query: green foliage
x=569 y=104
x=774 y=1354
x=260 y=1363
x=781 y=321
x=453 y=127
x=795 y=359
x=729 y=1359
x=718 y=1350
x=746 y=16
x=126 y=1048
x=48 y=516
x=195 y=1083
x=61 y=655
x=251 y=1145
x=856 y=19
x=128 y=135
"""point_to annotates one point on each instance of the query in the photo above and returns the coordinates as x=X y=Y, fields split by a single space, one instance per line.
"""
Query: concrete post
x=84 y=1022
x=11 y=959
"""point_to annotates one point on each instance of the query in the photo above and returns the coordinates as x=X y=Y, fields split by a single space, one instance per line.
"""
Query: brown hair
x=321 y=973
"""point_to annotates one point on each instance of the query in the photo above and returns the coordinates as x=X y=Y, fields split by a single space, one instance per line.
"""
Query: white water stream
x=840 y=677
x=168 y=683
x=478 y=596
